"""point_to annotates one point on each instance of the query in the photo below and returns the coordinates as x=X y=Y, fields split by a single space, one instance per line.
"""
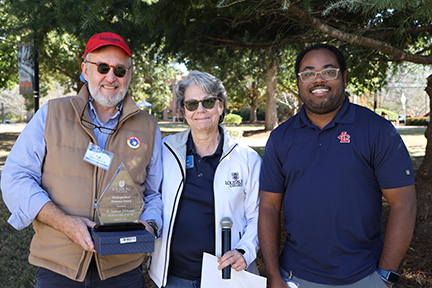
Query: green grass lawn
x=15 y=270
x=414 y=139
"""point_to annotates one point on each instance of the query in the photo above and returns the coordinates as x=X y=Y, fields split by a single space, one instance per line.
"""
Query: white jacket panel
x=236 y=194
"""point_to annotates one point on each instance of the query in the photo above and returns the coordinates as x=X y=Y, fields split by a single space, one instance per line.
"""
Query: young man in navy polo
x=329 y=167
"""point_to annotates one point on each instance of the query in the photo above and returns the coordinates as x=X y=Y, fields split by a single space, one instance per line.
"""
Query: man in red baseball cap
x=107 y=82
x=51 y=180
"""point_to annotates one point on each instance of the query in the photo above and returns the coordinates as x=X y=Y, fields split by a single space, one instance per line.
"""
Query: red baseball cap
x=106 y=39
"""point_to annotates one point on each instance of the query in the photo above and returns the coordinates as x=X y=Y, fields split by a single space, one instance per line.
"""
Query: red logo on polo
x=344 y=137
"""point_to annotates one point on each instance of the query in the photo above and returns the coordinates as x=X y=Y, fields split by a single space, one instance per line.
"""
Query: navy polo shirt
x=194 y=229
x=331 y=179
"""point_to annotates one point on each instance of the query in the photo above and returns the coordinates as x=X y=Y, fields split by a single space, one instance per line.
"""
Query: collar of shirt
x=190 y=148
x=345 y=115
x=102 y=138
x=110 y=123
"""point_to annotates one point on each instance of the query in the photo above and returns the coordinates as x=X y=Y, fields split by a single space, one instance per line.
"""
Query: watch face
x=392 y=277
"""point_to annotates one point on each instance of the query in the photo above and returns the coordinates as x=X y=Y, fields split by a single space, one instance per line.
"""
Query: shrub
x=391 y=116
x=419 y=121
x=233 y=119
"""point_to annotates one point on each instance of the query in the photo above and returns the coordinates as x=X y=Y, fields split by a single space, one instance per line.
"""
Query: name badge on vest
x=189 y=161
x=98 y=156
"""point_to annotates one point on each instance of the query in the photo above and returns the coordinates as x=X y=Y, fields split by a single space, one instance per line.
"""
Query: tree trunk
x=253 y=112
x=271 y=112
x=424 y=181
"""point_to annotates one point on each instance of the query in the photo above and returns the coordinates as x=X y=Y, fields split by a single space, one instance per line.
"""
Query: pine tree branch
x=396 y=53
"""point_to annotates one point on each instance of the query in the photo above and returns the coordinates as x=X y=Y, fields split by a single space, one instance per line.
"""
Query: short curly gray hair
x=207 y=82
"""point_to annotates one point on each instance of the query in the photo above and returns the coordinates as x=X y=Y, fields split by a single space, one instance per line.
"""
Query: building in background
x=170 y=113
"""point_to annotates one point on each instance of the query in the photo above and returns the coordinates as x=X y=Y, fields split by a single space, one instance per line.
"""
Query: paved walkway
x=12 y=127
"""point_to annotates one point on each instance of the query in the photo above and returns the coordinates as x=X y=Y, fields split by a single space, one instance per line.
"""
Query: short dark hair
x=339 y=56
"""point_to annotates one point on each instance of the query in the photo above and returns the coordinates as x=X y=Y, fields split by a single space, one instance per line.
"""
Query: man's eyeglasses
x=326 y=74
x=104 y=68
x=207 y=103
x=90 y=125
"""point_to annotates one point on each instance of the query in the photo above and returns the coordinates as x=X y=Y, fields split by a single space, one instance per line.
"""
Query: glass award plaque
x=121 y=205
x=118 y=212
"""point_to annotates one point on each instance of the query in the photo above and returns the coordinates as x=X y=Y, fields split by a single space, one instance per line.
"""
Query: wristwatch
x=388 y=276
x=155 y=227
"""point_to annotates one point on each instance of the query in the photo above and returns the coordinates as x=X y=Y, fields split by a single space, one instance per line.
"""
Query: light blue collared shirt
x=21 y=175
x=102 y=138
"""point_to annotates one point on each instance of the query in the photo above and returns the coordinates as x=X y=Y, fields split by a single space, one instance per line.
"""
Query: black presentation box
x=123 y=242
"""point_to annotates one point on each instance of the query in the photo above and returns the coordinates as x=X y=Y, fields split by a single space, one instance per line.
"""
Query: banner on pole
x=25 y=69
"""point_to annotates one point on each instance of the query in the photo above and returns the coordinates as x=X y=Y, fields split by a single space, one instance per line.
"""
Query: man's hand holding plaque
x=118 y=211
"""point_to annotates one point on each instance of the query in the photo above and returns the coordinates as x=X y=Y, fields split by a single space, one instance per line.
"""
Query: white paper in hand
x=292 y=284
x=211 y=277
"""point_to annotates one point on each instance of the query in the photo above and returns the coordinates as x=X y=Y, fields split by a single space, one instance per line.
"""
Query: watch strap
x=154 y=226
x=388 y=276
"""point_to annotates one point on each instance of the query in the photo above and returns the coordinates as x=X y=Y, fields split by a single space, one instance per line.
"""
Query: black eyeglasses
x=90 y=125
x=104 y=68
x=207 y=103
x=326 y=74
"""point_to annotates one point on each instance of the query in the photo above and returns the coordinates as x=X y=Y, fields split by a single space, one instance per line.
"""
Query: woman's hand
x=233 y=258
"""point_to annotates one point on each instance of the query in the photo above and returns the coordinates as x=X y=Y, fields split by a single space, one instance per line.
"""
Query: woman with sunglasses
x=207 y=177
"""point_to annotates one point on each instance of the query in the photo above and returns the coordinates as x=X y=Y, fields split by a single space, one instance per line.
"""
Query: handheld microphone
x=226 y=224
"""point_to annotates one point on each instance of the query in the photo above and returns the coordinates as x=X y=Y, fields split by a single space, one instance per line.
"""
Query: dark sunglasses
x=104 y=68
x=207 y=103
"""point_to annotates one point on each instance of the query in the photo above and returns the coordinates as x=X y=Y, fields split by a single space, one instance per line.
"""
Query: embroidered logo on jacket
x=235 y=181
x=344 y=137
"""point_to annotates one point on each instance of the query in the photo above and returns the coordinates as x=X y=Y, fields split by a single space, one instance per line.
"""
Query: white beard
x=106 y=102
